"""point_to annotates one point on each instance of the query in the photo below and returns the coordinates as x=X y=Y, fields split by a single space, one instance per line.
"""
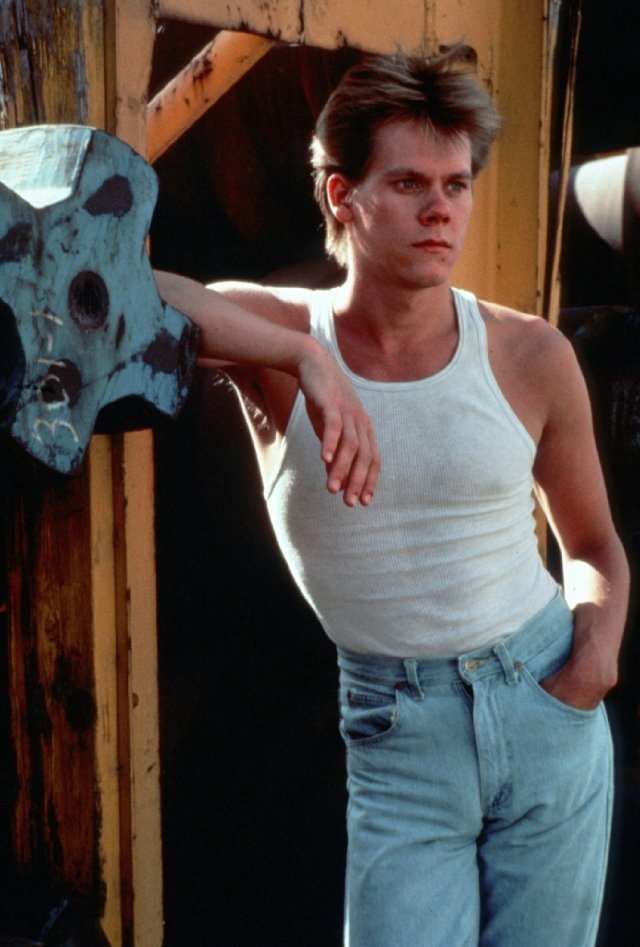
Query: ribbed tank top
x=445 y=559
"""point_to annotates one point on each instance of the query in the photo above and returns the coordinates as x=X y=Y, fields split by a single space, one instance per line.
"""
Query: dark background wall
x=253 y=772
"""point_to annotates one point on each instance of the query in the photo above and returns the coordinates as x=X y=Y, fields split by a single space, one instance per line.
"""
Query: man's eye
x=407 y=184
x=457 y=186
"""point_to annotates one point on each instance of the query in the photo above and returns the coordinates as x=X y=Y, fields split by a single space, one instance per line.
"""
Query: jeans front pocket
x=553 y=702
x=533 y=679
x=367 y=715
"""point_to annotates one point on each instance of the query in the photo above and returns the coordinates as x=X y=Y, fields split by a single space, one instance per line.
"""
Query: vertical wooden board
x=42 y=62
x=522 y=155
x=503 y=255
x=65 y=832
x=106 y=669
x=134 y=28
x=52 y=695
x=94 y=19
x=146 y=852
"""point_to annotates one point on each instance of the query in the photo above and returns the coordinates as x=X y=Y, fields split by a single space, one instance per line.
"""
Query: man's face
x=410 y=212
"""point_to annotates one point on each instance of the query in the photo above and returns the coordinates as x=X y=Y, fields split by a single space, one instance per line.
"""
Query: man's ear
x=339 y=197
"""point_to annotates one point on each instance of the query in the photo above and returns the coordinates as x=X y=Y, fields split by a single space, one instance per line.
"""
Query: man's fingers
x=331 y=432
x=348 y=447
x=356 y=464
x=371 y=479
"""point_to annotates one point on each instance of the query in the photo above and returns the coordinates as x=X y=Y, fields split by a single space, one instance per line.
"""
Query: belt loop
x=503 y=656
x=411 y=667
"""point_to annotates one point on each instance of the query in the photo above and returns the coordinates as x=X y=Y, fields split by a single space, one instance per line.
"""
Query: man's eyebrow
x=465 y=174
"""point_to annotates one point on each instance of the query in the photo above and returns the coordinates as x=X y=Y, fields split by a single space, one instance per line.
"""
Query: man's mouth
x=432 y=244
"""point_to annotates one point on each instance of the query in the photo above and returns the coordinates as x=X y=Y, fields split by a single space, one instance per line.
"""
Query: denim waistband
x=536 y=635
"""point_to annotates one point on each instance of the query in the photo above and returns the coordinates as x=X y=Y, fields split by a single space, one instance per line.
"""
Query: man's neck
x=396 y=336
x=402 y=313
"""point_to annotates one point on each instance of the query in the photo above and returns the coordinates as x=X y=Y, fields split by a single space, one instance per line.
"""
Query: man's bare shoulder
x=530 y=339
x=533 y=363
x=283 y=305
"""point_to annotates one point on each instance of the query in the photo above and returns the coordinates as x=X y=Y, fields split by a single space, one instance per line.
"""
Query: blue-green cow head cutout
x=81 y=322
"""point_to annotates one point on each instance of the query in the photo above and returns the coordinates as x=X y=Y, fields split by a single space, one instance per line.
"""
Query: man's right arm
x=232 y=334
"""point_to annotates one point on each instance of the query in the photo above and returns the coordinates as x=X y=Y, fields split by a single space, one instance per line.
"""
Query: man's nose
x=435 y=207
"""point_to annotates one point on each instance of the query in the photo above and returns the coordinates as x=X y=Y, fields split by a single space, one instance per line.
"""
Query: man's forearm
x=230 y=333
x=597 y=589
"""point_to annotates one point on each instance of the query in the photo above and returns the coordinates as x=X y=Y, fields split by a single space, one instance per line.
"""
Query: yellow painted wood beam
x=367 y=24
x=210 y=74
x=105 y=662
x=132 y=28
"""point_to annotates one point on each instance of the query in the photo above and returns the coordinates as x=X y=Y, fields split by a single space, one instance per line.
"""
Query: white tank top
x=445 y=558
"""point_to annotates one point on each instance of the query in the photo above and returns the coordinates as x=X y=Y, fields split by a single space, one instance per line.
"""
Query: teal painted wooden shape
x=81 y=322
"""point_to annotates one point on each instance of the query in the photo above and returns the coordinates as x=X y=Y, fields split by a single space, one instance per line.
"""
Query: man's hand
x=592 y=670
x=244 y=325
x=580 y=687
x=348 y=445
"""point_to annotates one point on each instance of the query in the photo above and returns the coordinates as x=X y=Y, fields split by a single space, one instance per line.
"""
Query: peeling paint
x=61 y=385
x=16 y=243
x=122 y=325
x=114 y=196
x=12 y=360
x=161 y=353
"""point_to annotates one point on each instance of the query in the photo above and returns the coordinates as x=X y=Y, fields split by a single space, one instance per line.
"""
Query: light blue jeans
x=479 y=805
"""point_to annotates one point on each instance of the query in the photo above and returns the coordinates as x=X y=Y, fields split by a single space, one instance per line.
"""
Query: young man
x=479 y=757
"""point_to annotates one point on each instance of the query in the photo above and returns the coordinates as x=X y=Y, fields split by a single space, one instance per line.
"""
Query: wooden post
x=199 y=86
x=56 y=818
x=79 y=556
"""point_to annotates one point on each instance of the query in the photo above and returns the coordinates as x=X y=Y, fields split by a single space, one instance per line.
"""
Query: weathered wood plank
x=85 y=63
x=369 y=24
x=133 y=28
x=56 y=817
x=43 y=66
x=199 y=85
x=111 y=772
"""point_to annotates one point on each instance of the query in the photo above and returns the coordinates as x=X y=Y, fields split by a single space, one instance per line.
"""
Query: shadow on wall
x=253 y=771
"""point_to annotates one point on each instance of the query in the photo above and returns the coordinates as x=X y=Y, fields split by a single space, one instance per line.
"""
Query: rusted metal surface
x=75 y=207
